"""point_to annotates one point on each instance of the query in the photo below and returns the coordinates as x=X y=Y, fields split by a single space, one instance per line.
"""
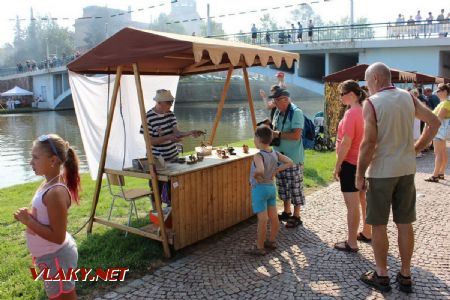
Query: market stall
x=207 y=196
x=334 y=109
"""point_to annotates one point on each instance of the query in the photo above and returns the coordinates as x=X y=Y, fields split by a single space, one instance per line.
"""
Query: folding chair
x=129 y=195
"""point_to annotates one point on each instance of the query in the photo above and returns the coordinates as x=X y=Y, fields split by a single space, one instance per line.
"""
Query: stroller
x=322 y=141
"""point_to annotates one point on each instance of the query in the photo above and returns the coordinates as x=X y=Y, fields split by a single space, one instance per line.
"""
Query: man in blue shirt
x=288 y=123
x=433 y=100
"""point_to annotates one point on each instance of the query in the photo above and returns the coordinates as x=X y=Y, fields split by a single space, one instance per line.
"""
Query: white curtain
x=90 y=97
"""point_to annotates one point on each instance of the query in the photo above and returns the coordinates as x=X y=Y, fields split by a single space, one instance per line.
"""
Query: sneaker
x=381 y=283
x=284 y=216
x=404 y=283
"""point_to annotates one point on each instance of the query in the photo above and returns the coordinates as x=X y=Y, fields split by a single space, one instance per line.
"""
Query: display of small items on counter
x=192 y=159
x=181 y=160
x=245 y=148
x=221 y=153
x=231 y=150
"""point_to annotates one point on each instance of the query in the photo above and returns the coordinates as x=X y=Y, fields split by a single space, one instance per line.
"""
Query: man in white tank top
x=387 y=158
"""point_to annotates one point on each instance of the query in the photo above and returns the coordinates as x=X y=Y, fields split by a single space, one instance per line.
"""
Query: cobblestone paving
x=305 y=265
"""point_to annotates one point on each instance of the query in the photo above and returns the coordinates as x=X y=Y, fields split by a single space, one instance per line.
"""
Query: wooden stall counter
x=209 y=196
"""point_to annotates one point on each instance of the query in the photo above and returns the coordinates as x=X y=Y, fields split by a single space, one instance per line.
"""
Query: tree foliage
x=267 y=23
x=303 y=15
x=216 y=29
x=31 y=43
x=161 y=24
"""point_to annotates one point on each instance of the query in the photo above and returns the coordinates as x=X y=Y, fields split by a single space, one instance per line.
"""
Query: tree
x=303 y=15
x=359 y=31
x=216 y=28
x=31 y=44
x=165 y=24
x=267 y=23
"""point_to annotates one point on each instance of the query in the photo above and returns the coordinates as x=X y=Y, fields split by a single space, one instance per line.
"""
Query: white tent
x=16 y=91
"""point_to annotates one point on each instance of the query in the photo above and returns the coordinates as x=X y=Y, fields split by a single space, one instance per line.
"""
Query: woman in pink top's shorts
x=350 y=135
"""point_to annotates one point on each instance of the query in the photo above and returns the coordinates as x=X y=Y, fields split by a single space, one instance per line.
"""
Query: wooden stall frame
x=152 y=169
x=150 y=159
x=221 y=104
x=124 y=58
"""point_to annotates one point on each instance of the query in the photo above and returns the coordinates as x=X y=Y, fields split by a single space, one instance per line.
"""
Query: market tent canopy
x=357 y=73
x=161 y=53
x=17 y=91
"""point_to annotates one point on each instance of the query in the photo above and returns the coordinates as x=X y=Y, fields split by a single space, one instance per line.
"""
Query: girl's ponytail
x=71 y=174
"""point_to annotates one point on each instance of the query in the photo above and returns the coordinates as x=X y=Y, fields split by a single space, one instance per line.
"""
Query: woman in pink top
x=49 y=243
x=350 y=134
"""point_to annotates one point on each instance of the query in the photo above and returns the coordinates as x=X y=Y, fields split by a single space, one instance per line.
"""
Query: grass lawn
x=106 y=247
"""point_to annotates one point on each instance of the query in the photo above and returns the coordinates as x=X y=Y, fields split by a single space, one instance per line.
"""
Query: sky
x=374 y=10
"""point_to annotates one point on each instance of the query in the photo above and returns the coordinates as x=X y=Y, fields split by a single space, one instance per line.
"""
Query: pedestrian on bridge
x=310 y=30
x=254 y=34
x=300 y=32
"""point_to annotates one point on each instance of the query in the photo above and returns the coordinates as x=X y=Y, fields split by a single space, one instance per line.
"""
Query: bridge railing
x=372 y=31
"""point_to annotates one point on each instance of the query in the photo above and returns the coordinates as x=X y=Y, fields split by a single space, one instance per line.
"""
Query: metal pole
x=351 y=20
x=208 y=21
x=46 y=43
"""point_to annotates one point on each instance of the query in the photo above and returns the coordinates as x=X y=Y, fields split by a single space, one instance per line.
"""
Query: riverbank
x=106 y=247
x=22 y=110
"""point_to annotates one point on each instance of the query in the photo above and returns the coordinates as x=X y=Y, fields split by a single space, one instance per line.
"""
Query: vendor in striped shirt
x=162 y=125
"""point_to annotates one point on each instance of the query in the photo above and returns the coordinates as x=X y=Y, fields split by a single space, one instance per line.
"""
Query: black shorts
x=254 y=35
x=347 y=177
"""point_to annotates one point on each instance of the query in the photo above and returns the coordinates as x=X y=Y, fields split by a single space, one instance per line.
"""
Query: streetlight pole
x=47 y=60
x=208 y=21
x=352 y=21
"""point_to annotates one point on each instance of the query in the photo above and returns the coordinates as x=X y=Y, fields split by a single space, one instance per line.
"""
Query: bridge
x=420 y=47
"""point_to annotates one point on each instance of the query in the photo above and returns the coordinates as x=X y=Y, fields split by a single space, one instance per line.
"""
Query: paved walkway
x=305 y=266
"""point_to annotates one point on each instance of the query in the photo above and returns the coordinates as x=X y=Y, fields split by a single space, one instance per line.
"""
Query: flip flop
x=432 y=179
x=362 y=238
x=346 y=248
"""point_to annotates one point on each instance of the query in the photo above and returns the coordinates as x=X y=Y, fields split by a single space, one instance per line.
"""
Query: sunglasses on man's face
x=45 y=138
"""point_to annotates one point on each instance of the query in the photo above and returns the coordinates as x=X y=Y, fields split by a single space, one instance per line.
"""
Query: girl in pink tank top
x=46 y=223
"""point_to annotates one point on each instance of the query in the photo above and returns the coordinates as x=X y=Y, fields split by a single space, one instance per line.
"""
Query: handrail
x=366 y=31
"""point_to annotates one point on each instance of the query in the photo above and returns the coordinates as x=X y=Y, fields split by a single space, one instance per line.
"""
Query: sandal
x=362 y=238
x=404 y=283
x=294 y=222
x=270 y=245
x=441 y=176
x=344 y=246
x=432 y=179
x=255 y=251
x=381 y=283
x=284 y=216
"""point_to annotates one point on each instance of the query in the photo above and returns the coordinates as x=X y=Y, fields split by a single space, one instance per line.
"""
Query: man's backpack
x=309 y=130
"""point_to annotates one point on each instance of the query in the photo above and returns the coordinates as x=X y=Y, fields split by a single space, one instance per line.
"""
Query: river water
x=18 y=131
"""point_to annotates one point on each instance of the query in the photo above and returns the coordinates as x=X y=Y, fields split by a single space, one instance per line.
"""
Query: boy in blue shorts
x=266 y=164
